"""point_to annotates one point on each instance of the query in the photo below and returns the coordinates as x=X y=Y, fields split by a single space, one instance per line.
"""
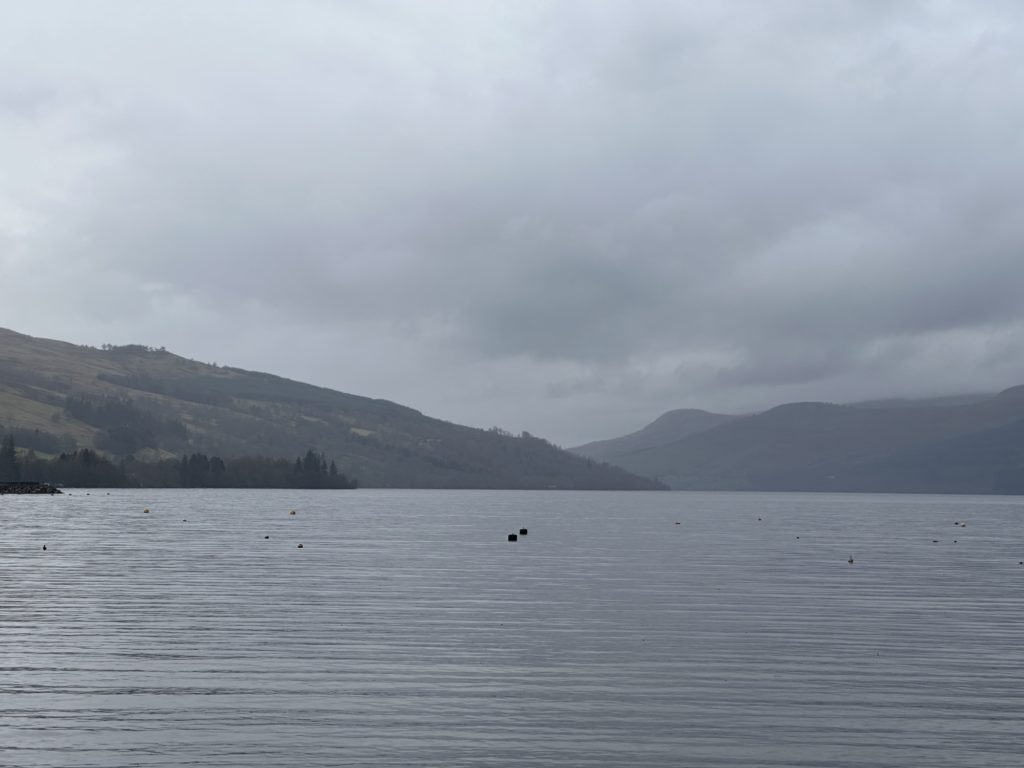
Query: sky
x=560 y=217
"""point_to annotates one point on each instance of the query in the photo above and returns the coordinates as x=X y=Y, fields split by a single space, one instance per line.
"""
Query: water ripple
x=406 y=630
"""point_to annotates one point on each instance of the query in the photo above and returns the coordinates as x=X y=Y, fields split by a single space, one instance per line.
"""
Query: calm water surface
x=408 y=631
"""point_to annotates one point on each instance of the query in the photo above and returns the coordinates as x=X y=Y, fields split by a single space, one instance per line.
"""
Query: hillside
x=966 y=447
x=148 y=403
x=666 y=429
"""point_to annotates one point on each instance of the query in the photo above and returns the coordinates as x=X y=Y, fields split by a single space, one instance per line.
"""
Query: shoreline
x=28 y=487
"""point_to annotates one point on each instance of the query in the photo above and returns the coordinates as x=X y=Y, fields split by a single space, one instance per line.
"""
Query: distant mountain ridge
x=963 y=444
x=667 y=428
x=150 y=404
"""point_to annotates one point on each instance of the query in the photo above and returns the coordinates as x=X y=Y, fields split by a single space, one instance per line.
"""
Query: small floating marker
x=850 y=561
x=300 y=546
x=677 y=522
x=266 y=537
x=935 y=541
x=513 y=537
x=523 y=531
x=44 y=547
x=956 y=522
x=145 y=511
x=759 y=519
x=798 y=537
x=954 y=541
x=292 y=512
x=963 y=525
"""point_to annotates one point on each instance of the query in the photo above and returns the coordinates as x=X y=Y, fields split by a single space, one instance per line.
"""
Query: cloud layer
x=564 y=217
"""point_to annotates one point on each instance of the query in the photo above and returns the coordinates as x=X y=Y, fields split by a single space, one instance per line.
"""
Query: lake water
x=408 y=631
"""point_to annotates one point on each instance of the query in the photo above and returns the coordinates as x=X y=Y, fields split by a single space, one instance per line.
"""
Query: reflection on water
x=408 y=630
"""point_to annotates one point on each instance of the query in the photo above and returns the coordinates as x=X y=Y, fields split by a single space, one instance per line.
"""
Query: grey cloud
x=603 y=209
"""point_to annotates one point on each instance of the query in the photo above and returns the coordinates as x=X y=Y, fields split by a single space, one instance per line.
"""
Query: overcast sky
x=563 y=217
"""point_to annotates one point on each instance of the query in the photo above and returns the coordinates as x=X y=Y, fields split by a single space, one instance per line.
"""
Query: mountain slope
x=822 y=446
x=149 y=403
x=986 y=461
x=666 y=429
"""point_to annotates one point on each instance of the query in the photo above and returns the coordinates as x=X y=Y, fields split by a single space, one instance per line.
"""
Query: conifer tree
x=8 y=460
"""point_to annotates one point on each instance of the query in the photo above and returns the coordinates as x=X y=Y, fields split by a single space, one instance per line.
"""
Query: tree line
x=86 y=468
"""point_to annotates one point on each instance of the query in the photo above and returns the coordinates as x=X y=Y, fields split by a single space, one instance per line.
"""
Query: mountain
x=909 y=402
x=963 y=446
x=666 y=429
x=149 y=403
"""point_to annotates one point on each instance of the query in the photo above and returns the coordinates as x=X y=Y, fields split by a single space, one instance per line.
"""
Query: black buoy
x=850 y=561
x=300 y=546
x=266 y=537
x=522 y=531
x=44 y=547
x=513 y=537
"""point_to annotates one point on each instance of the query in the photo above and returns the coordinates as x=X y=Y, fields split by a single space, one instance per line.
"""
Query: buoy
x=678 y=523
x=266 y=537
x=146 y=511
x=963 y=525
x=513 y=537
x=44 y=547
x=850 y=561
x=522 y=531
x=292 y=512
x=935 y=541
x=300 y=546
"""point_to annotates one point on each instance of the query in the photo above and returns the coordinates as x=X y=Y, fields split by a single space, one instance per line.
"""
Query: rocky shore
x=27 y=487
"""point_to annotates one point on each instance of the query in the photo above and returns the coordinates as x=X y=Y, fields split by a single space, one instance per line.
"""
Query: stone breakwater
x=27 y=488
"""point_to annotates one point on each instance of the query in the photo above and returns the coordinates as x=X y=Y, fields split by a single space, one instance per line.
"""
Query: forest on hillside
x=86 y=468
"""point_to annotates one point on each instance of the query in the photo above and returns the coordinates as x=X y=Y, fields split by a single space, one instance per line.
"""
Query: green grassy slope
x=186 y=406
